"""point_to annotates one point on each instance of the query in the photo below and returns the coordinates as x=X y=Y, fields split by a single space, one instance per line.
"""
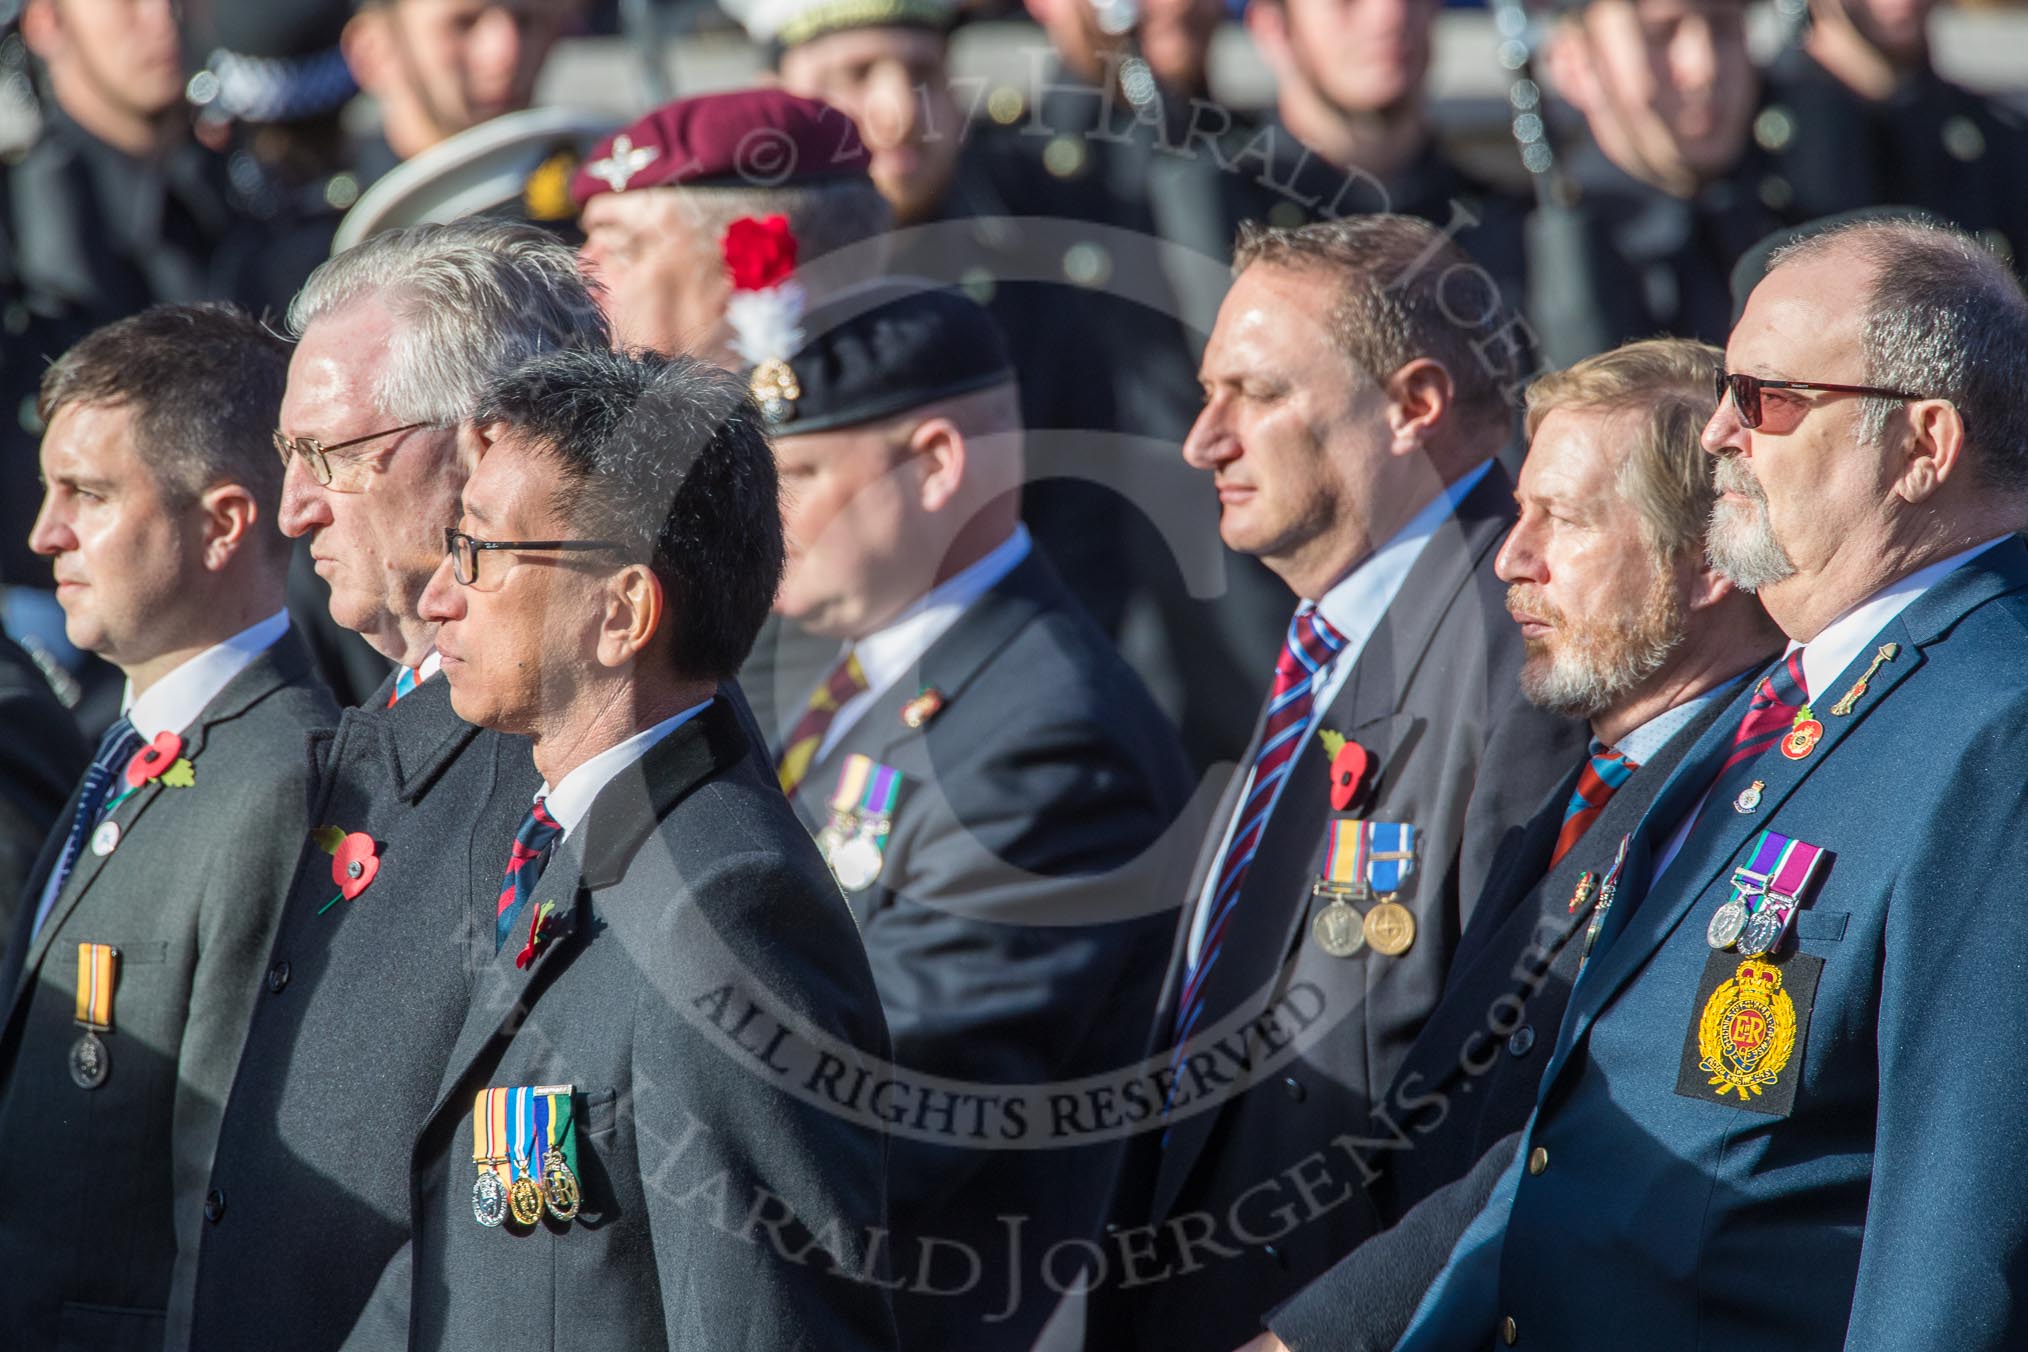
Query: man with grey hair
x=1783 y=1104
x=411 y=807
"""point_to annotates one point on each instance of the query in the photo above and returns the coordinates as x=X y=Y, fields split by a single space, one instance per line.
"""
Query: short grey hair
x=475 y=298
x=1945 y=319
x=825 y=215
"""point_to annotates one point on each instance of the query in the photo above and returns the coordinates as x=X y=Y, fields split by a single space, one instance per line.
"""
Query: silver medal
x=1726 y=924
x=856 y=863
x=106 y=839
x=89 y=1064
x=1763 y=931
x=489 y=1199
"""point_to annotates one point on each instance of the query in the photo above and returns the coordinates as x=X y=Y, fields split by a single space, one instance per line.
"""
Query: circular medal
x=1763 y=931
x=1726 y=924
x=1338 y=931
x=1802 y=738
x=106 y=839
x=856 y=863
x=524 y=1199
x=1390 y=928
x=89 y=1062
x=489 y=1199
x=559 y=1186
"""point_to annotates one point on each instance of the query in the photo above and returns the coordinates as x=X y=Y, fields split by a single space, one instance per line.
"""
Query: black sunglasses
x=1745 y=391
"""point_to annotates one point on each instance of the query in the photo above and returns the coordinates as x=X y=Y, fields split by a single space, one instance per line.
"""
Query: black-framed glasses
x=1745 y=391
x=317 y=455
x=465 y=550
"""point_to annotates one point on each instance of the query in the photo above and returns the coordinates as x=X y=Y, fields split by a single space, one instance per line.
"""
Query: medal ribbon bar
x=97 y=973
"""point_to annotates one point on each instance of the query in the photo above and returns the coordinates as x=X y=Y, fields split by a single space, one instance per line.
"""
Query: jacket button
x=278 y=977
x=214 y=1206
x=1522 y=1042
x=1509 y=1333
x=1538 y=1160
x=1294 y=1086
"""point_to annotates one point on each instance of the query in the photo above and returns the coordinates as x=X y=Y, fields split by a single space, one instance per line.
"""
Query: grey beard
x=1741 y=545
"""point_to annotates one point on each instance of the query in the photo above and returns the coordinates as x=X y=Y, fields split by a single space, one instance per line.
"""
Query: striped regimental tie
x=525 y=862
x=845 y=681
x=116 y=748
x=1310 y=644
x=1596 y=784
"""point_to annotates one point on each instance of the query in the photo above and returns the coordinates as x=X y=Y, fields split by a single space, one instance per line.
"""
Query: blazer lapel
x=593 y=857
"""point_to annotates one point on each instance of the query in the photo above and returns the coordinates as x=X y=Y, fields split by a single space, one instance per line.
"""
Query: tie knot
x=1310 y=643
x=538 y=828
x=1785 y=684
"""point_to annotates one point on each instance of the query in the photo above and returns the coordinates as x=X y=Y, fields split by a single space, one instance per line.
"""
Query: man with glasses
x=1784 y=1105
x=392 y=904
x=144 y=928
x=624 y=525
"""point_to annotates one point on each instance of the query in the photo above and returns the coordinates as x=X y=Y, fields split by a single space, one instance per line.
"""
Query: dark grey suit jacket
x=690 y=875
x=1015 y=931
x=1470 y=1080
x=358 y=1009
x=1434 y=697
x=190 y=897
x=41 y=757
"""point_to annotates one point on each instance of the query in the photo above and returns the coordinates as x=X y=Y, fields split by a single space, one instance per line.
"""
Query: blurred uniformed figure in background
x=1857 y=116
x=1664 y=191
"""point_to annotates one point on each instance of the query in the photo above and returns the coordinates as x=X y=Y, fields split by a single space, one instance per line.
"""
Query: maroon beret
x=758 y=138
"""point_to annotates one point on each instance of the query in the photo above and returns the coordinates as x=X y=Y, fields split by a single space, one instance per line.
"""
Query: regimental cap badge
x=545 y=194
x=775 y=388
x=623 y=160
x=765 y=310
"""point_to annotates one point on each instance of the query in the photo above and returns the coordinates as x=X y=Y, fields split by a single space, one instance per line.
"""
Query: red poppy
x=540 y=932
x=759 y=253
x=354 y=863
x=151 y=760
x=1348 y=775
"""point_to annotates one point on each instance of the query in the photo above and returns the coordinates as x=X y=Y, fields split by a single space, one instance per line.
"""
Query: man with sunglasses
x=623 y=529
x=1783 y=1107
x=370 y=974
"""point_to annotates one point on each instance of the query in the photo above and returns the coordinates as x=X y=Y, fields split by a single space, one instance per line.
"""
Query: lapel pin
x=1845 y=705
x=1749 y=797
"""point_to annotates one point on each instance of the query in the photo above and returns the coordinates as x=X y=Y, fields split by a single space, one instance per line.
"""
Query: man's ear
x=635 y=614
x=1567 y=63
x=1936 y=448
x=939 y=450
x=1267 y=21
x=1702 y=585
x=1418 y=397
x=42 y=29
x=366 y=45
x=231 y=520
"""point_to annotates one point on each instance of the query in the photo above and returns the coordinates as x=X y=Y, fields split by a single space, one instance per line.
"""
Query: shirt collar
x=1346 y=606
x=890 y=652
x=174 y=702
x=1844 y=638
x=569 y=801
x=1640 y=745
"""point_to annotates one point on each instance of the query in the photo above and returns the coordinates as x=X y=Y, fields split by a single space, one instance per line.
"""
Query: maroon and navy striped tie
x=1311 y=643
x=525 y=862
x=1596 y=783
x=1769 y=717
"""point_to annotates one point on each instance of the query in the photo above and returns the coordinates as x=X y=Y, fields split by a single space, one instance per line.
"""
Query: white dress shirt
x=569 y=801
x=1826 y=656
x=891 y=652
x=174 y=702
x=1353 y=607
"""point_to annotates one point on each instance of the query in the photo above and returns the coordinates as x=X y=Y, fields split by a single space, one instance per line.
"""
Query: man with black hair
x=618 y=548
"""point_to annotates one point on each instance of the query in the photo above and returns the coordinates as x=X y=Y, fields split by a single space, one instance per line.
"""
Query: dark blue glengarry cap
x=879 y=351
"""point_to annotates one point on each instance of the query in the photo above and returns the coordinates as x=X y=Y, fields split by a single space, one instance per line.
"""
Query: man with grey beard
x=1625 y=625
x=1784 y=1100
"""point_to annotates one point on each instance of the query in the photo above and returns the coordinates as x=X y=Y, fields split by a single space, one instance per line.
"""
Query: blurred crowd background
x=1609 y=183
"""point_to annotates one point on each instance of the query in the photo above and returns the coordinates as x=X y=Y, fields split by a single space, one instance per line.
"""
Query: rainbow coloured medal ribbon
x=98 y=972
x=489 y=1153
x=862 y=813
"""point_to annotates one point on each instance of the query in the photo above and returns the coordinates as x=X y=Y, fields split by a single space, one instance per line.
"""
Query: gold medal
x=560 y=1192
x=1390 y=928
x=524 y=1199
x=1338 y=930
